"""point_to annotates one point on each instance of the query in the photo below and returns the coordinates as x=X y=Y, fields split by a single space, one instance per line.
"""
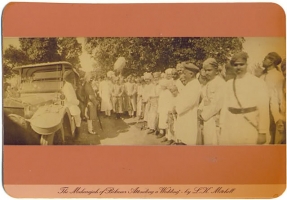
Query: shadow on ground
x=111 y=128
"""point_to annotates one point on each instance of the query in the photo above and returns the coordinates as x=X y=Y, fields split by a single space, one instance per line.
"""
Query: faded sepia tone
x=144 y=91
x=253 y=171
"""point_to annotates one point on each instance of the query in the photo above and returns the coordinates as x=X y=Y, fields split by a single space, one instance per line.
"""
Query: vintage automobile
x=39 y=108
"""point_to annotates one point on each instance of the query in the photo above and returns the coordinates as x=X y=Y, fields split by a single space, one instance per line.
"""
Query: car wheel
x=59 y=137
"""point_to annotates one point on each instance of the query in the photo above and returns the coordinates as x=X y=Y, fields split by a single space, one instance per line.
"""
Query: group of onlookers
x=191 y=105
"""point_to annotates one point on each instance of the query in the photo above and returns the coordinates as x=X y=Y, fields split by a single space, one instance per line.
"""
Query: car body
x=38 y=106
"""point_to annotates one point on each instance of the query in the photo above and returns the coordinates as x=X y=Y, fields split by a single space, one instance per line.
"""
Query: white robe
x=130 y=90
x=235 y=129
x=105 y=92
x=145 y=99
x=71 y=100
x=164 y=106
x=186 y=107
x=152 y=114
x=139 y=99
x=211 y=104
x=179 y=85
x=274 y=80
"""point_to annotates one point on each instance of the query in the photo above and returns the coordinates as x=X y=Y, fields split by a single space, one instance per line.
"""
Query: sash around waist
x=242 y=110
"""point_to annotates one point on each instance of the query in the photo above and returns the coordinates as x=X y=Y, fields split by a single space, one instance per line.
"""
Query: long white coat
x=211 y=104
x=186 y=107
x=71 y=100
x=235 y=129
x=105 y=92
x=164 y=106
x=274 y=80
x=139 y=99
x=179 y=85
x=152 y=115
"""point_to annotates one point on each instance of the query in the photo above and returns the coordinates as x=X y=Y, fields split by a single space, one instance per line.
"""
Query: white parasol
x=120 y=64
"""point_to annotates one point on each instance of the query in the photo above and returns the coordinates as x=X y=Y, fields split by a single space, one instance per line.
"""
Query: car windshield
x=41 y=79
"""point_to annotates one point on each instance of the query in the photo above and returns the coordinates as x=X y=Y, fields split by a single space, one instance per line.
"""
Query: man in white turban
x=211 y=103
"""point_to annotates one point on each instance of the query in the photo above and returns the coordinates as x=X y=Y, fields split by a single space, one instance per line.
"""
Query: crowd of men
x=191 y=105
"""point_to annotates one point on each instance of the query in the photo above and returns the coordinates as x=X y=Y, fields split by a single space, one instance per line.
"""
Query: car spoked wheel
x=47 y=139
x=58 y=138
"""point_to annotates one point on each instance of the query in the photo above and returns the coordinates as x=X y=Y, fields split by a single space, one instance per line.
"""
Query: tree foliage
x=69 y=50
x=13 y=57
x=41 y=50
x=156 y=54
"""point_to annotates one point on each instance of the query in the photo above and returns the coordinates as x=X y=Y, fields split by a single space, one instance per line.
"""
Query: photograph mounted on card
x=152 y=108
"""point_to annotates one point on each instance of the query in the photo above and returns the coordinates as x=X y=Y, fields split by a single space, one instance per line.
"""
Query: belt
x=241 y=110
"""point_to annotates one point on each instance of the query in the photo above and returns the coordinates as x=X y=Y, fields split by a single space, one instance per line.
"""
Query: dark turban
x=275 y=57
x=191 y=67
x=241 y=55
x=69 y=76
x=210 y=62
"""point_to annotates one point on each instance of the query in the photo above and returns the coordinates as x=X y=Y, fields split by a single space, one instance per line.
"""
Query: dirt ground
x=124 y=131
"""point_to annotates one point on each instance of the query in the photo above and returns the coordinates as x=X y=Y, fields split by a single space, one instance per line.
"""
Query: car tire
x=58 y=137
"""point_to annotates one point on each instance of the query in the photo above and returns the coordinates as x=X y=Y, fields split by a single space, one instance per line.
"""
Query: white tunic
x=179 y=85
x=235 y=129
x=105 y=92
x=274 y=80
x=130 y=90
x=186 y=107
x=152 y=114
x=164 y=106
x=139 y=99
x=145 y=99
x=211 y=104
x=71 y=100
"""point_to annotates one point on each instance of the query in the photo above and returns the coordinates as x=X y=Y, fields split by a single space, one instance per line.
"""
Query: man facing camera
x=244 y=118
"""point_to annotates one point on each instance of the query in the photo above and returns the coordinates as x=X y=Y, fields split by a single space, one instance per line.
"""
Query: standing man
x=90 y=102
x=145 y=97
x=186 y=106
x=274 y=80
x=79 y=74
x=105 y=93
x=211 y=104
x=117 y=98
x=178 y=77
x=71 y=100
x=244 y=117
x=130 y=89
x=154 y=92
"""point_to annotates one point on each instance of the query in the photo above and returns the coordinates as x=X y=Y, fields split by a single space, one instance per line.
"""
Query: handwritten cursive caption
x=146 y=191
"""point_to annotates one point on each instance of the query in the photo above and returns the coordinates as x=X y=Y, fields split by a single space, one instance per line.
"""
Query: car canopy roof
x=43 y=64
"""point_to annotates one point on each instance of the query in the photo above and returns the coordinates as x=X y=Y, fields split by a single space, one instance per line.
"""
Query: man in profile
x=71 y=100
x=273 y=77
x=186 y=106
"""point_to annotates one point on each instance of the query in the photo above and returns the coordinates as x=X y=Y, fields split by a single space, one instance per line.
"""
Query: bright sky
x=256 y=47
x=85 y=58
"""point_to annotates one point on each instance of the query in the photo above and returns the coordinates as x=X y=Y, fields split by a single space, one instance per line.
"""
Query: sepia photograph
x=167 y=100
x=144 y=90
